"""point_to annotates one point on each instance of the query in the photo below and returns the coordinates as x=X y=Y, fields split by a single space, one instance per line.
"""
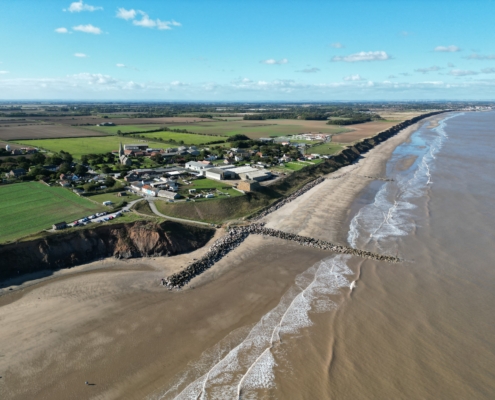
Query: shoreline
x=121 y=330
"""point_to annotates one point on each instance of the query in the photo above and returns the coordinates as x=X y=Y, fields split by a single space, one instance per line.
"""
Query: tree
x=105 y=169
x=84 y=159
x=81 y=169
x=38 y=158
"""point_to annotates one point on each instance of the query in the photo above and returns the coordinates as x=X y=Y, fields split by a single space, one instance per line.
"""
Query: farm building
x=107 y=203
x=258 y=175
x=198 y=167
x=106 y=124
x=60 y=225
x=215 y=173
x=168 y=194
x=121 y=194
x=135 y=147
x=248 y=186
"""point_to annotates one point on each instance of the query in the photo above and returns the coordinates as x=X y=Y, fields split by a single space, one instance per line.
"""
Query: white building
x=198 y=167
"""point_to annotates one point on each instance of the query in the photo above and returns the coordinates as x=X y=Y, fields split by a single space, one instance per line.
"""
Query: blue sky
x=247 y=50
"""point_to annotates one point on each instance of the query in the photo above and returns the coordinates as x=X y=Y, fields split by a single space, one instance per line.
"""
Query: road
x=189 y=221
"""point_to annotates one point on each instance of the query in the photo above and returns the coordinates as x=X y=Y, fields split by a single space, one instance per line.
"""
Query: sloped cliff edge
x=67 y=249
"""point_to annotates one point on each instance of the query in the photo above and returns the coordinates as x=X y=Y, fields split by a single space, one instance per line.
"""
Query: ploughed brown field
x=121 y=121
x=43 y=131
x=361 y=131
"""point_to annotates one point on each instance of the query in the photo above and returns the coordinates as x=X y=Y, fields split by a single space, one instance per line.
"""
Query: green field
x=89 y=145
x=187 y=138
x=257 y=129
x=112 y=130
x=325 y=149
x=207 y=185
x=27 y=208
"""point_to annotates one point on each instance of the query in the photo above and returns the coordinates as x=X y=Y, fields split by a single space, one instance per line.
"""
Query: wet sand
x=110 y=323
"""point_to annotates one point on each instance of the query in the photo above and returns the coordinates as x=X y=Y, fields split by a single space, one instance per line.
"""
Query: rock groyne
x=237 y=235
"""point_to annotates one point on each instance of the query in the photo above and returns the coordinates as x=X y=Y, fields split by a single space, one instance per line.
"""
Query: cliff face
x=63 y=250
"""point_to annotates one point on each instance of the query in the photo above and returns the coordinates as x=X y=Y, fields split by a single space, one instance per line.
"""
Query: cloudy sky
x=253 y=50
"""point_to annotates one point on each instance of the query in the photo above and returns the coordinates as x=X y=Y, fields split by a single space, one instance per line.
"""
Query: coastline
x=131 y=336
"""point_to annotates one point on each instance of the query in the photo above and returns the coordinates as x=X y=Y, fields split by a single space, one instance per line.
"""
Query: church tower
x=121 y=150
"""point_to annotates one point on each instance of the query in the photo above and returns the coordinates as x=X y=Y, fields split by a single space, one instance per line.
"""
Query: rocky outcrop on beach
x=67 y=249
x=237 y=235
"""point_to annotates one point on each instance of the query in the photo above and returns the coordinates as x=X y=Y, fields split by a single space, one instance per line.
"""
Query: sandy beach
x=111 y=323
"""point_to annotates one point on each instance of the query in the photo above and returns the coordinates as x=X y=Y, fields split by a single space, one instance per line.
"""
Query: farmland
x=26 y=208
x=113 y=130
x=361 y=131
x=186 y=138
x=42 y=131
x=258 y=129
x=79 y=146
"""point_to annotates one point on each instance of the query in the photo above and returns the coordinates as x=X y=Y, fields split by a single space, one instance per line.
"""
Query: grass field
x=26 y=208
x=325 y=149
x=112 y=130
x=257 y=129
x=79 y=146
x=187 y=138
x=207 y=185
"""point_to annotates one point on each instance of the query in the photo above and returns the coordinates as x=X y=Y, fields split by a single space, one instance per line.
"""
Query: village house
x=149 y=191
x=16 y=173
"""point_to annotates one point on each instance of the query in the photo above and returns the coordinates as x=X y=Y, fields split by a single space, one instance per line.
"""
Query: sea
x=351 y=328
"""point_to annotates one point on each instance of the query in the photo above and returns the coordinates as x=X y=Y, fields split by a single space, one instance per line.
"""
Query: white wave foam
x=250 y=365
x=390 y=214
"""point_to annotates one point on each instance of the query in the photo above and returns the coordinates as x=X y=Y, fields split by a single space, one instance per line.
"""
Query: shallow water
x=350 y=328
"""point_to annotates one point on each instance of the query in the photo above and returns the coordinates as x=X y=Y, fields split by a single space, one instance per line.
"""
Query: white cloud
x=353 y=78
x=309 y=70
x=272 y=61
x=4 y=72
x=404 y=74
x=429 y=69
x=363 y=56
x=80 y=55
x=447 y=49
x=61 y=30
x=126 y=14
x=146 y=21
x=392 y=77
x=79 y=6
x=88 y=29
x=95 y=79
x=451 y=65
x=337 y=45
x=488 y=70
x=406 y=33
x=120 y=65
x=476 y=56
x=462 y=72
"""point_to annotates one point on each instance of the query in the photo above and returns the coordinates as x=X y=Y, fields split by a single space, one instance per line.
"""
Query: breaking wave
x=389 y=216
x=250 y=365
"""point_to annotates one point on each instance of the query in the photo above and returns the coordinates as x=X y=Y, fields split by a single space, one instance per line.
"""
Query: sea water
x=350 y=328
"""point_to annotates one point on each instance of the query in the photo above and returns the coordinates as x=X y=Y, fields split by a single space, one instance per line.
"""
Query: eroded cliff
x=67 y=249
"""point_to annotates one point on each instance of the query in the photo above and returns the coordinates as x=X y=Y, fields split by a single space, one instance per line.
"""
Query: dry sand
x=112 y=324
